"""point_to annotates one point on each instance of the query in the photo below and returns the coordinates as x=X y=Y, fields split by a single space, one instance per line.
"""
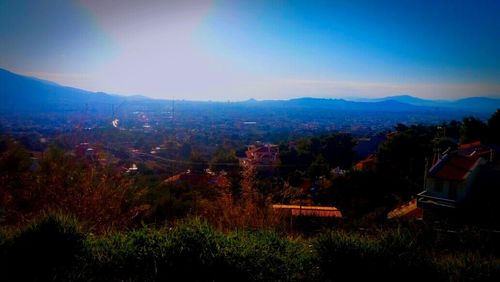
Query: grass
x=54 y=248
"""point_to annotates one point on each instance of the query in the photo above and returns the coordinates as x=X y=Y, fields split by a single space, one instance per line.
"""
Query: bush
x=469 y=267
x=45 y=251
x=132 y=256
x=194 y=251
x=267 y=256
x=54 y=249
x=388 y=257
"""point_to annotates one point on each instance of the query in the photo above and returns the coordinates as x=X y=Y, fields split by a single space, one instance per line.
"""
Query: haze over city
x=236 y=50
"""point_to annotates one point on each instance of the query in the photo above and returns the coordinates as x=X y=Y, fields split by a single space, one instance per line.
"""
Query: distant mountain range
x=22 y=94
x=473 y=104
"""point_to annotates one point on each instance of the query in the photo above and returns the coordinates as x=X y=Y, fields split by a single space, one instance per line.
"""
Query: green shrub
x=54 y=249
x=194 y=251
x=132 y=256
x=267 y=256
x=46 y=251
x=469 y=267
x=388 y=256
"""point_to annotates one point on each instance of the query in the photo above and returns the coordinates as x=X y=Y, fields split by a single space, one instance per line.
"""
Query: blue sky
x=235 y=50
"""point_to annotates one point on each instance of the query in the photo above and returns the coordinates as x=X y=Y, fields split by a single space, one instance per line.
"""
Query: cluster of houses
x=261 y=157
x=448 y=183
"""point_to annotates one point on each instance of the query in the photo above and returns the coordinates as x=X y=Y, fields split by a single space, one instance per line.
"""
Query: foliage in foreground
x=54 y=249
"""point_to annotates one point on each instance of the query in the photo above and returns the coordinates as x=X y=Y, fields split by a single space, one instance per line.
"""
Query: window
x=452 y=191
x=438 y=186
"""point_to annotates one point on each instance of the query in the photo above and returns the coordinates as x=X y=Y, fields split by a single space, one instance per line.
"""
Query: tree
x=453 y=129
x=100 y=197
x=494 y=127
x=224 y=160
x=337 y=149
x=472 y=130
x=318 y=168
x=197 y=164
x=401 y=159
x=185 y=151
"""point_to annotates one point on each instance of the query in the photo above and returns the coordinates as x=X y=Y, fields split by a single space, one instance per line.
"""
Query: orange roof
x=197 y=179
x=368 y=163
x=475 y=149
x=470 y=145
x=318 y=211
x=406 y=210
x=453 y=167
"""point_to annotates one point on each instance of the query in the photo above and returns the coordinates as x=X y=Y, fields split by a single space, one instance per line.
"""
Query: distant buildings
x=262 y=156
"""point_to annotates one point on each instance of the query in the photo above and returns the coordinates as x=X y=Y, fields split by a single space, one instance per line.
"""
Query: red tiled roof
x=199 y=179
x=475 y=149
x=315 y=211
x=454 y=168
x=406 y=210
x=470 y=145
x=368 y=163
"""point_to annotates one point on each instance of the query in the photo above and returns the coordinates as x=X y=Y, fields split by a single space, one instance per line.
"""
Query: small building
x=132 y=169
x=408 y=210
x=368 y=164
x=310 y=211
x=450 y=180
x=262 y=154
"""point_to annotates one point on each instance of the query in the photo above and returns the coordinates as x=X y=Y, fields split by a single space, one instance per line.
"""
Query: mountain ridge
x=40 y=95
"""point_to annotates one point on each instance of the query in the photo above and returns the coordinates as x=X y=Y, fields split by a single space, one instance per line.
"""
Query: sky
x=237 y=50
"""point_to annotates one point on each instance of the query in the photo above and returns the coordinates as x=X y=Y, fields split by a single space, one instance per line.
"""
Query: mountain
x=22 y=94
x=471 y=105
x=334 y=104
x=407 y=99
x=479 y=103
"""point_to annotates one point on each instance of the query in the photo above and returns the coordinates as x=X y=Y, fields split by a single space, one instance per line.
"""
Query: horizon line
x=352 y=98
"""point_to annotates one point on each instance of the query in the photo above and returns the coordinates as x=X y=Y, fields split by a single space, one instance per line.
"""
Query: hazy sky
x=235 y=50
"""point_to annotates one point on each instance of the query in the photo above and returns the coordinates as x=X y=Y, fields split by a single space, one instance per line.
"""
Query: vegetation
x=66 y=216
x=54 y=248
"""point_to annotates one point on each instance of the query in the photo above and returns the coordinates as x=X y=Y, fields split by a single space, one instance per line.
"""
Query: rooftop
x=453 y=167
x=457 y=165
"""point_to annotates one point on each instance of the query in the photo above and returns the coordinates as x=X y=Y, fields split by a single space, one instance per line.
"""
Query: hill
x=470 y=104
x=22 y=94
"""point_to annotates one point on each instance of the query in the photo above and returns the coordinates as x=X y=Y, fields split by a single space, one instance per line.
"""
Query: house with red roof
x=451 y=178
x=263 y=154
x=192 y=179
x=264 y=158
x=370 y=164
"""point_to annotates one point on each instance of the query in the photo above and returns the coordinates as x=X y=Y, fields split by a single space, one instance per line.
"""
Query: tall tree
x=494 y=127
x=472 y=130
